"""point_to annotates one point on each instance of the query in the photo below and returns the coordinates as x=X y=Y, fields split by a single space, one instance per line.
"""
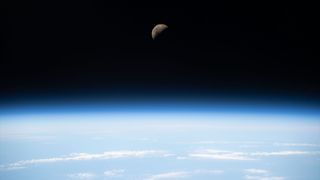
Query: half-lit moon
x=157 y=30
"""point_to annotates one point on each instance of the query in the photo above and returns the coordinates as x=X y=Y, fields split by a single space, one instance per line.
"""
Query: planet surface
x=157 y=30
x=158 y=145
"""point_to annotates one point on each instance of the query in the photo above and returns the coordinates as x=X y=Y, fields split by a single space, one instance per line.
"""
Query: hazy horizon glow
x=166 y=143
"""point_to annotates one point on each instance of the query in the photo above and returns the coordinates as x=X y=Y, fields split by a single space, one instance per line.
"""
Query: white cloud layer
x=85 y=156
x=297 y=144
x=256 y=171
x=82 y=176
x=220 y=155
x=243 y=156
x=169 y=175
x=260 y=174
x=183 y=174
x=285 y=153
x=114 y=173
x=251 y=177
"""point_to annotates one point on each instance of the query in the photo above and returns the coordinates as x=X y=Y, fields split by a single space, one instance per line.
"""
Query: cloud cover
x=82 y=176
x=114 y=173
x=243 y=156
x=86 y=157
x=260 y=174
x=183 y=174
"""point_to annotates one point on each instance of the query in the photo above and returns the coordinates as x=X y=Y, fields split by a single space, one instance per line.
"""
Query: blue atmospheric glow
x=218 y=106
x=159 y=141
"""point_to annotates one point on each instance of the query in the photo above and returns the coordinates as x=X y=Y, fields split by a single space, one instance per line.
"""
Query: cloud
x=230 y=142
x=85 y=156
x=183 y=174
x=221 y=155
x=250 y=177
x=243 y=156
x=11 y=168
x=256 y=171
x=285 y=153
x=207 y=171
x=169 y=175
x=82 y=176
x=181 y=157
x=297 y=144
x=114 y=173
x=260 y=174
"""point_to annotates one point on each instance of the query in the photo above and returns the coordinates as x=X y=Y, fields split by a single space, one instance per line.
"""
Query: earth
x=150 y=145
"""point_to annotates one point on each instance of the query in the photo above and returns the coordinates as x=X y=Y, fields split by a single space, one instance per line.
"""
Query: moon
x=157 y=30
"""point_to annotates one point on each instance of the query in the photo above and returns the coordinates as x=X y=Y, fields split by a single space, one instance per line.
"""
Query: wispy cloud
x=297 y=144
x=285 y=153
x=256 y=171
x=82 y=176
x=260 y=174
x=169 y=175
x=183 y=174
x=114 y=173
x=207 y=171
x=221 y=155
x=85 y=156
x=181 y=157
x=11 y=168
x=251 y=177
x=229 y=142
x=243 y=156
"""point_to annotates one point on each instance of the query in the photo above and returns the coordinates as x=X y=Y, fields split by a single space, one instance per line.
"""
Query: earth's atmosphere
x=159 y=145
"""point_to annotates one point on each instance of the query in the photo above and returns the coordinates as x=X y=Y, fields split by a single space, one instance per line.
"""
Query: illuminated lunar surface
x=157 y=30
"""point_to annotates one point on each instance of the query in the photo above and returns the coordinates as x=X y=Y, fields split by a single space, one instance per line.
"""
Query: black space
x=57 y=47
